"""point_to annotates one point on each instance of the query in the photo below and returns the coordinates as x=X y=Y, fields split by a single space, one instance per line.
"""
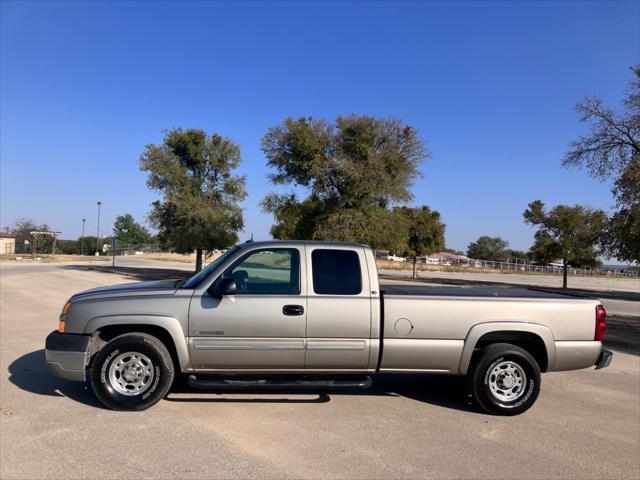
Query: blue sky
x=489 y=85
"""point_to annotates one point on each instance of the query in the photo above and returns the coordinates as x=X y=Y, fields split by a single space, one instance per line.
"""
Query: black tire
x=493 y=392
x=160 y=376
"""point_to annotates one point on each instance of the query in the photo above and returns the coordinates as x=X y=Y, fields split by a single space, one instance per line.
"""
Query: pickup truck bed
x=437 y=329
x=454 y=291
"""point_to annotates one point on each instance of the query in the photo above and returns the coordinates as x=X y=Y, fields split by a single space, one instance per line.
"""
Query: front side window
x=267 y=271
x=195 y=280
x=336 y=272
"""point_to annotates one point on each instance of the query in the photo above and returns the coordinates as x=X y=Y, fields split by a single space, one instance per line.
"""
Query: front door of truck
x=339 y=301
x=262 y=326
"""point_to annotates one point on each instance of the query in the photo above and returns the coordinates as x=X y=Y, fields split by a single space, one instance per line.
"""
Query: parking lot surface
x=586 y=424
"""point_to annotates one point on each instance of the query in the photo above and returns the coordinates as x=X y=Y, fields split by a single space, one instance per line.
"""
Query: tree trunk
x=564 y=273
x=198 y=259
x=415 y=260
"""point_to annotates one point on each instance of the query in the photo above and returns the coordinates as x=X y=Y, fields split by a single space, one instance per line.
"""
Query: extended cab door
x=339 y=309
x=262 y=326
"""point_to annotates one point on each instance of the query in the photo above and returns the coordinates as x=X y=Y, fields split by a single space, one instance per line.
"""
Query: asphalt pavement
x=586 y=424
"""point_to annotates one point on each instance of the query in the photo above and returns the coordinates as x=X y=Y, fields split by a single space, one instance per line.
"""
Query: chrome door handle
x=293 y=310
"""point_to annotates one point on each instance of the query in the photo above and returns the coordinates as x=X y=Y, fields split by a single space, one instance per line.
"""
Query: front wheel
x=505 y=380
x=132 y=372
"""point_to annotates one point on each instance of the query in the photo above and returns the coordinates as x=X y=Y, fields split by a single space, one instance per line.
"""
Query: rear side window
x=336 y=272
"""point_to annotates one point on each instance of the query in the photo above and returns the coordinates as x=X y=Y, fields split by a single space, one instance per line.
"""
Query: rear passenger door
x=339 y=309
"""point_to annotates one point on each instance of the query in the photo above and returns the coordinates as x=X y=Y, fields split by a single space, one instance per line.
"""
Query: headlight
x=63 y=317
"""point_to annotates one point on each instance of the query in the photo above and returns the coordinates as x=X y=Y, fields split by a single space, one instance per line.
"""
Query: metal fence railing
x=133 y=249
x=530 y=267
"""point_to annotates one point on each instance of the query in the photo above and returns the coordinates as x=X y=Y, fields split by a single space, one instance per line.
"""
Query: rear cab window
x=336 y=272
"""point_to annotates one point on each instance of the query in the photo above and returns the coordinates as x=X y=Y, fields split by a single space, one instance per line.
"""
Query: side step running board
x=229 y=384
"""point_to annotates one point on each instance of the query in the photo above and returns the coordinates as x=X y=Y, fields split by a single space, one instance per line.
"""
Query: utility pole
x=82 y=248
x=98 y=231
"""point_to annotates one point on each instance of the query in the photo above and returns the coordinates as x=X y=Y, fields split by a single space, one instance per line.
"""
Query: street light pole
x=82 y=248
x=98 y=231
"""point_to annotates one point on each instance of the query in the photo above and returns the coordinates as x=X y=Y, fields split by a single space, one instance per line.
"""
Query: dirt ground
x=585 y=424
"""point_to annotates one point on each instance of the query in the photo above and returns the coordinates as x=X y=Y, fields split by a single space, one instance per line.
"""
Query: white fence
x=529 y=267
x=137 y=249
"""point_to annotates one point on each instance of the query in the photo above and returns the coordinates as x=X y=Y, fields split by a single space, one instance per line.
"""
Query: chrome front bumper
x=66 y=355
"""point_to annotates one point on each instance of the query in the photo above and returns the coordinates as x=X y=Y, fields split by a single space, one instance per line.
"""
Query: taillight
x=601 y=325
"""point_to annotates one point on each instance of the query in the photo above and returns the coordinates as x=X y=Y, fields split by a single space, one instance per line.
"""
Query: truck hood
x=156 y=287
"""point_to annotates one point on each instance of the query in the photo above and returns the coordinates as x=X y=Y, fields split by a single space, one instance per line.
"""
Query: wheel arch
x=167 y=329
x=534 y=338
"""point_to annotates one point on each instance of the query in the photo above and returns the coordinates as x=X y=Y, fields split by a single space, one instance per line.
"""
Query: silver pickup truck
x=289 y=314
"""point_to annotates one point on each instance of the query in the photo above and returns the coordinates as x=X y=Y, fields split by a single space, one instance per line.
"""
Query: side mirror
x=223 y=286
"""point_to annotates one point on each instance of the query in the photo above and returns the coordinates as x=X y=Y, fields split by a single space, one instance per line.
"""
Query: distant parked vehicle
x=395 y=258
x=559 y=265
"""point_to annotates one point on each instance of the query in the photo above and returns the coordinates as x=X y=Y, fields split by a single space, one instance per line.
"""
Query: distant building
x=7 y=244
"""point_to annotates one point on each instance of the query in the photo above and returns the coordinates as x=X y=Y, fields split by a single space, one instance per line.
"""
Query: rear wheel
x=132 y=372
x=505 y=380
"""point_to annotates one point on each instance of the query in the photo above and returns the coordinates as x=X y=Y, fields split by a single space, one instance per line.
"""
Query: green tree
x=21 y=232
x=518 y=256
x=425 y=232
x=488 y=248
x=622 y=239
x=194 y=173
x=89 y=244
x=69 y=247
x=352 y=171
x=574 y=232
x=545 y=249
x=128 y=231
x=611 y=150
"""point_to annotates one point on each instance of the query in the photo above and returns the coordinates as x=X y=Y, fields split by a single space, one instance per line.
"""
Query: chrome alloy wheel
x=507 y=381
x=131 y=373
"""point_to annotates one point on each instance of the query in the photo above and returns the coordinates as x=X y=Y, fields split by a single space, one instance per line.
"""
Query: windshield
x=194 y=281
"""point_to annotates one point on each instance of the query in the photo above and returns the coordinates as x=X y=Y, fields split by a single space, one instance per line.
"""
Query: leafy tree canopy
x=573 y=232
x=488 y=248
x=611 y=149
x=425 y=231
x=351 y=171
x=194 y=173
x=90 y=243
x=517 y=255
x=545 y=249
x=128 y=231
x=69 y=247
x=623 y=232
